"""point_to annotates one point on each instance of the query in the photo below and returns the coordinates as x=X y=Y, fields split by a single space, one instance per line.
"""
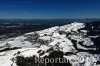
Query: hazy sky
x=49 y=9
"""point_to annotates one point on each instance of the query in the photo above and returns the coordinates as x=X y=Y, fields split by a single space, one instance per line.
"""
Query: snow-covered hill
x=73 y=42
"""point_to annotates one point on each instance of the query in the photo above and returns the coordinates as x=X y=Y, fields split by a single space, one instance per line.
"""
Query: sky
x=49 y=9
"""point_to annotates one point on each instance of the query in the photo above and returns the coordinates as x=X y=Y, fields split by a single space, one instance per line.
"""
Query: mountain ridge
x=71 y=40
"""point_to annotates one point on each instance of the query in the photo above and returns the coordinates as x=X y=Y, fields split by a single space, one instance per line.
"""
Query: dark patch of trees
x=96 y=42
x=30 y=61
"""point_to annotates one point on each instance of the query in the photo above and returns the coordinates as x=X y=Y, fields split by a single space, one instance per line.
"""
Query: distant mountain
x=76 y=42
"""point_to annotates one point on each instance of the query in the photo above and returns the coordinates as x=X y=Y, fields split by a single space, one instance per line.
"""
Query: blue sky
x=49 y=9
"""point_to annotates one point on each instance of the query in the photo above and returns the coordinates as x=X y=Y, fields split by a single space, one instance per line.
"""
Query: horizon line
x=42 y=18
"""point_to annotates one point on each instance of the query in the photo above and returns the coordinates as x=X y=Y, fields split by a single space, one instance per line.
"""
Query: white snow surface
x=30 y=43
